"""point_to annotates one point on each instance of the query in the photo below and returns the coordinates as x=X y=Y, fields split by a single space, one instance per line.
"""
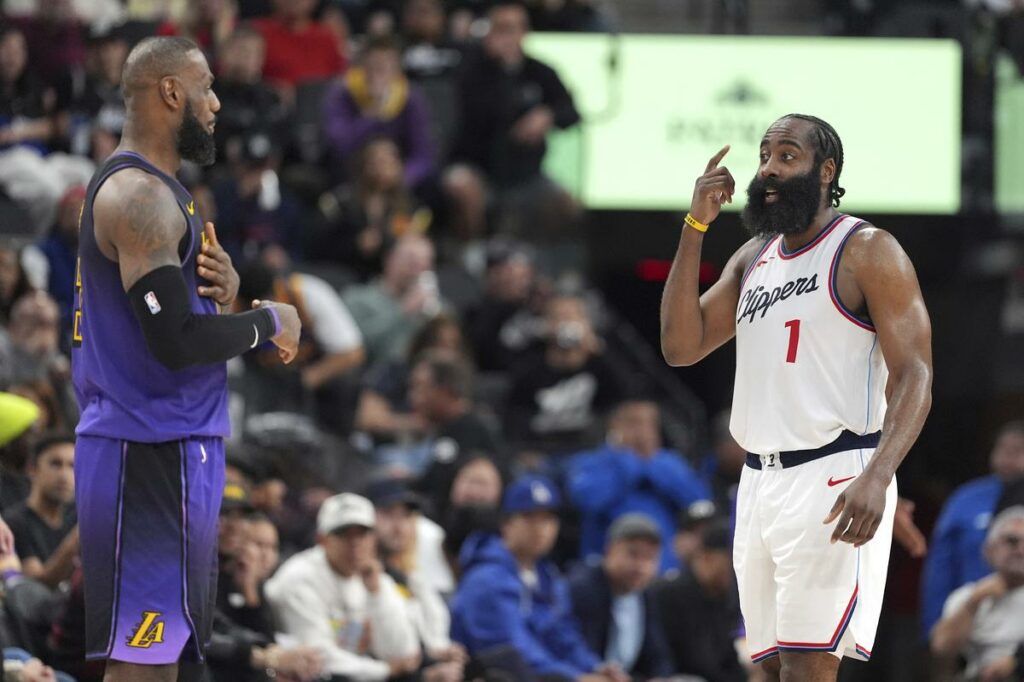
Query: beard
x=797 y=201
x=195 y=143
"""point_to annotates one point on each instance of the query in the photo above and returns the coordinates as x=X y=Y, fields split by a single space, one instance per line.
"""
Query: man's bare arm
x=139 y=224
x=885 y=277
x=693 y=325
x=59 y=566
x=137 y=218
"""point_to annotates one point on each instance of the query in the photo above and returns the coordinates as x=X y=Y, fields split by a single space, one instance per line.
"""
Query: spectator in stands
x=248 y=105
x=632 y=472
x=505 y=322
x=255 y=212
x=981 y=620
x=700 y=611
x=722 y=467
x=410 y=547
x=30 y=175
x=431 y=60
x=384 y=410
x=510 y=595
x=690 y=531
x=358 y=219
x=26 y=103
x=61 y=250
x=560 y=392
x=41 y=393
x=262 y=534
x=243 y=644
x=472 y=505
x=391 y=308
x=337 y=597
x=91 y=111
x=45 y=527
x=509 y=103
x=207 y=23
x=440 y=393
x=956 y=555
x=428 y=53
x=26 y=128
x=376 y=100
x=330 y=350
x=298 y=47
x=66 y=641
x=410 y=542
x=36 y=356
x=14 y=282
x=242 y=573
x=613 y=604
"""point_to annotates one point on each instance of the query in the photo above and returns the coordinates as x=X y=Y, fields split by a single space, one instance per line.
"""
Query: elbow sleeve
x=179 y=337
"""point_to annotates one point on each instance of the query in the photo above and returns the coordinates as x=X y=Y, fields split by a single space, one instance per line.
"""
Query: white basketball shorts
x=798 y=591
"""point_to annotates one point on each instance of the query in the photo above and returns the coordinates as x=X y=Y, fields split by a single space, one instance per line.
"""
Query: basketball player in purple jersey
x=833 y=384
x=148 y=364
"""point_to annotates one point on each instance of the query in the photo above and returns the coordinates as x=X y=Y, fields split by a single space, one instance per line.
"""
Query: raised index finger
x=717 y=158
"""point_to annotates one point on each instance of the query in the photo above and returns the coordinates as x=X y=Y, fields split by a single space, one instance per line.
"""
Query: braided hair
x=829 y=146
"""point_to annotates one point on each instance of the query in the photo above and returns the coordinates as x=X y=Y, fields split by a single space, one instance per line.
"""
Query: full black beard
x=796 y=204
x=195 y=142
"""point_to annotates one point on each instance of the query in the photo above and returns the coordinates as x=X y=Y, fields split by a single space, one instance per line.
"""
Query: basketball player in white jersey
x=833 y=384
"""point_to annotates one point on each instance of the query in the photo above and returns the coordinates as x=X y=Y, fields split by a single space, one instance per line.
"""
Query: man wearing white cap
x=336 y=597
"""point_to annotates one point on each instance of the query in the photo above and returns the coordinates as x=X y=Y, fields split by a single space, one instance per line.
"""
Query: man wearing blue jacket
x=956 y=556
x=632 y=473
x=511 y=596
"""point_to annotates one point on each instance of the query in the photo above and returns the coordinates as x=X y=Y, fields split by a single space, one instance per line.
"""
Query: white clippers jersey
x=806 y=368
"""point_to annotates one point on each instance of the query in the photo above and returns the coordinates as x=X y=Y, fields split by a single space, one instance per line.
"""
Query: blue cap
x=531 y=493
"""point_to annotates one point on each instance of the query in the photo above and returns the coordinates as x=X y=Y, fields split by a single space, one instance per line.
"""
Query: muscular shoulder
x=737 y=265
x=136 y=209
x=872 y=250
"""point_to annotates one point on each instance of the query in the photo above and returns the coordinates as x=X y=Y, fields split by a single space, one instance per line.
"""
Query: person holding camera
x=559 y=394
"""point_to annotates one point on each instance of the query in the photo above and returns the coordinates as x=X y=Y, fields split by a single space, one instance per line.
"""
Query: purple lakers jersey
x=123 y=391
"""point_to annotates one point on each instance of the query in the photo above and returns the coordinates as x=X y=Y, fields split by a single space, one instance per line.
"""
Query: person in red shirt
x=298 y=47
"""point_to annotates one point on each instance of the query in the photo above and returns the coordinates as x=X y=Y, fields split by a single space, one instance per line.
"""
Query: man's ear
x=828 y=171
x=172 y=92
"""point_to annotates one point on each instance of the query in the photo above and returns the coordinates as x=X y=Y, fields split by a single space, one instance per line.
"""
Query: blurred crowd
x=471 y=471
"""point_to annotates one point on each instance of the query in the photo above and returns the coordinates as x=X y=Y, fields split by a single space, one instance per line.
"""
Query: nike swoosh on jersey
x=255 y=341
x=832 y=482
x=191 y=208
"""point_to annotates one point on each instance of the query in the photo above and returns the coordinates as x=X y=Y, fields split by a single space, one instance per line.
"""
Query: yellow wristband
x=695 y=224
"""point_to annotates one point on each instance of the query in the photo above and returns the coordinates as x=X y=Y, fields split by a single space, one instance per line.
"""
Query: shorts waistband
x=847 y=440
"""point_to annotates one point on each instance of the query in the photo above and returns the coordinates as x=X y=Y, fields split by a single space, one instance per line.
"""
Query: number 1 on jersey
x=794 y=339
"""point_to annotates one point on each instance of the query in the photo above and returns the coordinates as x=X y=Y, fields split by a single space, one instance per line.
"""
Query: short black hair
x=1015 y=426
x=382 y=43
x=427 y=335
x=827 y=145
x=48 y=440
x=152 y=59
x=256 y=281
x=448 y=371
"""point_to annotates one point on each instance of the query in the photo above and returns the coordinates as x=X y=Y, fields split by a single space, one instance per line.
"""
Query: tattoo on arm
x=145 y=223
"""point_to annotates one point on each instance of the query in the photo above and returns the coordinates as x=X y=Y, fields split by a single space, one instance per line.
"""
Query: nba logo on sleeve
x=154 y=305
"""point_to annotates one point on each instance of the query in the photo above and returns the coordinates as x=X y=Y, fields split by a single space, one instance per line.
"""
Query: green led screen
x=673 y=101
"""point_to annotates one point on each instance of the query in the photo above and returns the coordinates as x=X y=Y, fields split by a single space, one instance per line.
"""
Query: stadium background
x=927 y=97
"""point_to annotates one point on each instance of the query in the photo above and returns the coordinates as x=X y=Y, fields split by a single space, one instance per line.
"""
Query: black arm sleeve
x=180 y=338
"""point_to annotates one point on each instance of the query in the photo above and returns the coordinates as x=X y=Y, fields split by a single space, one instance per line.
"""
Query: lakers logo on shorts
x=148 y=632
